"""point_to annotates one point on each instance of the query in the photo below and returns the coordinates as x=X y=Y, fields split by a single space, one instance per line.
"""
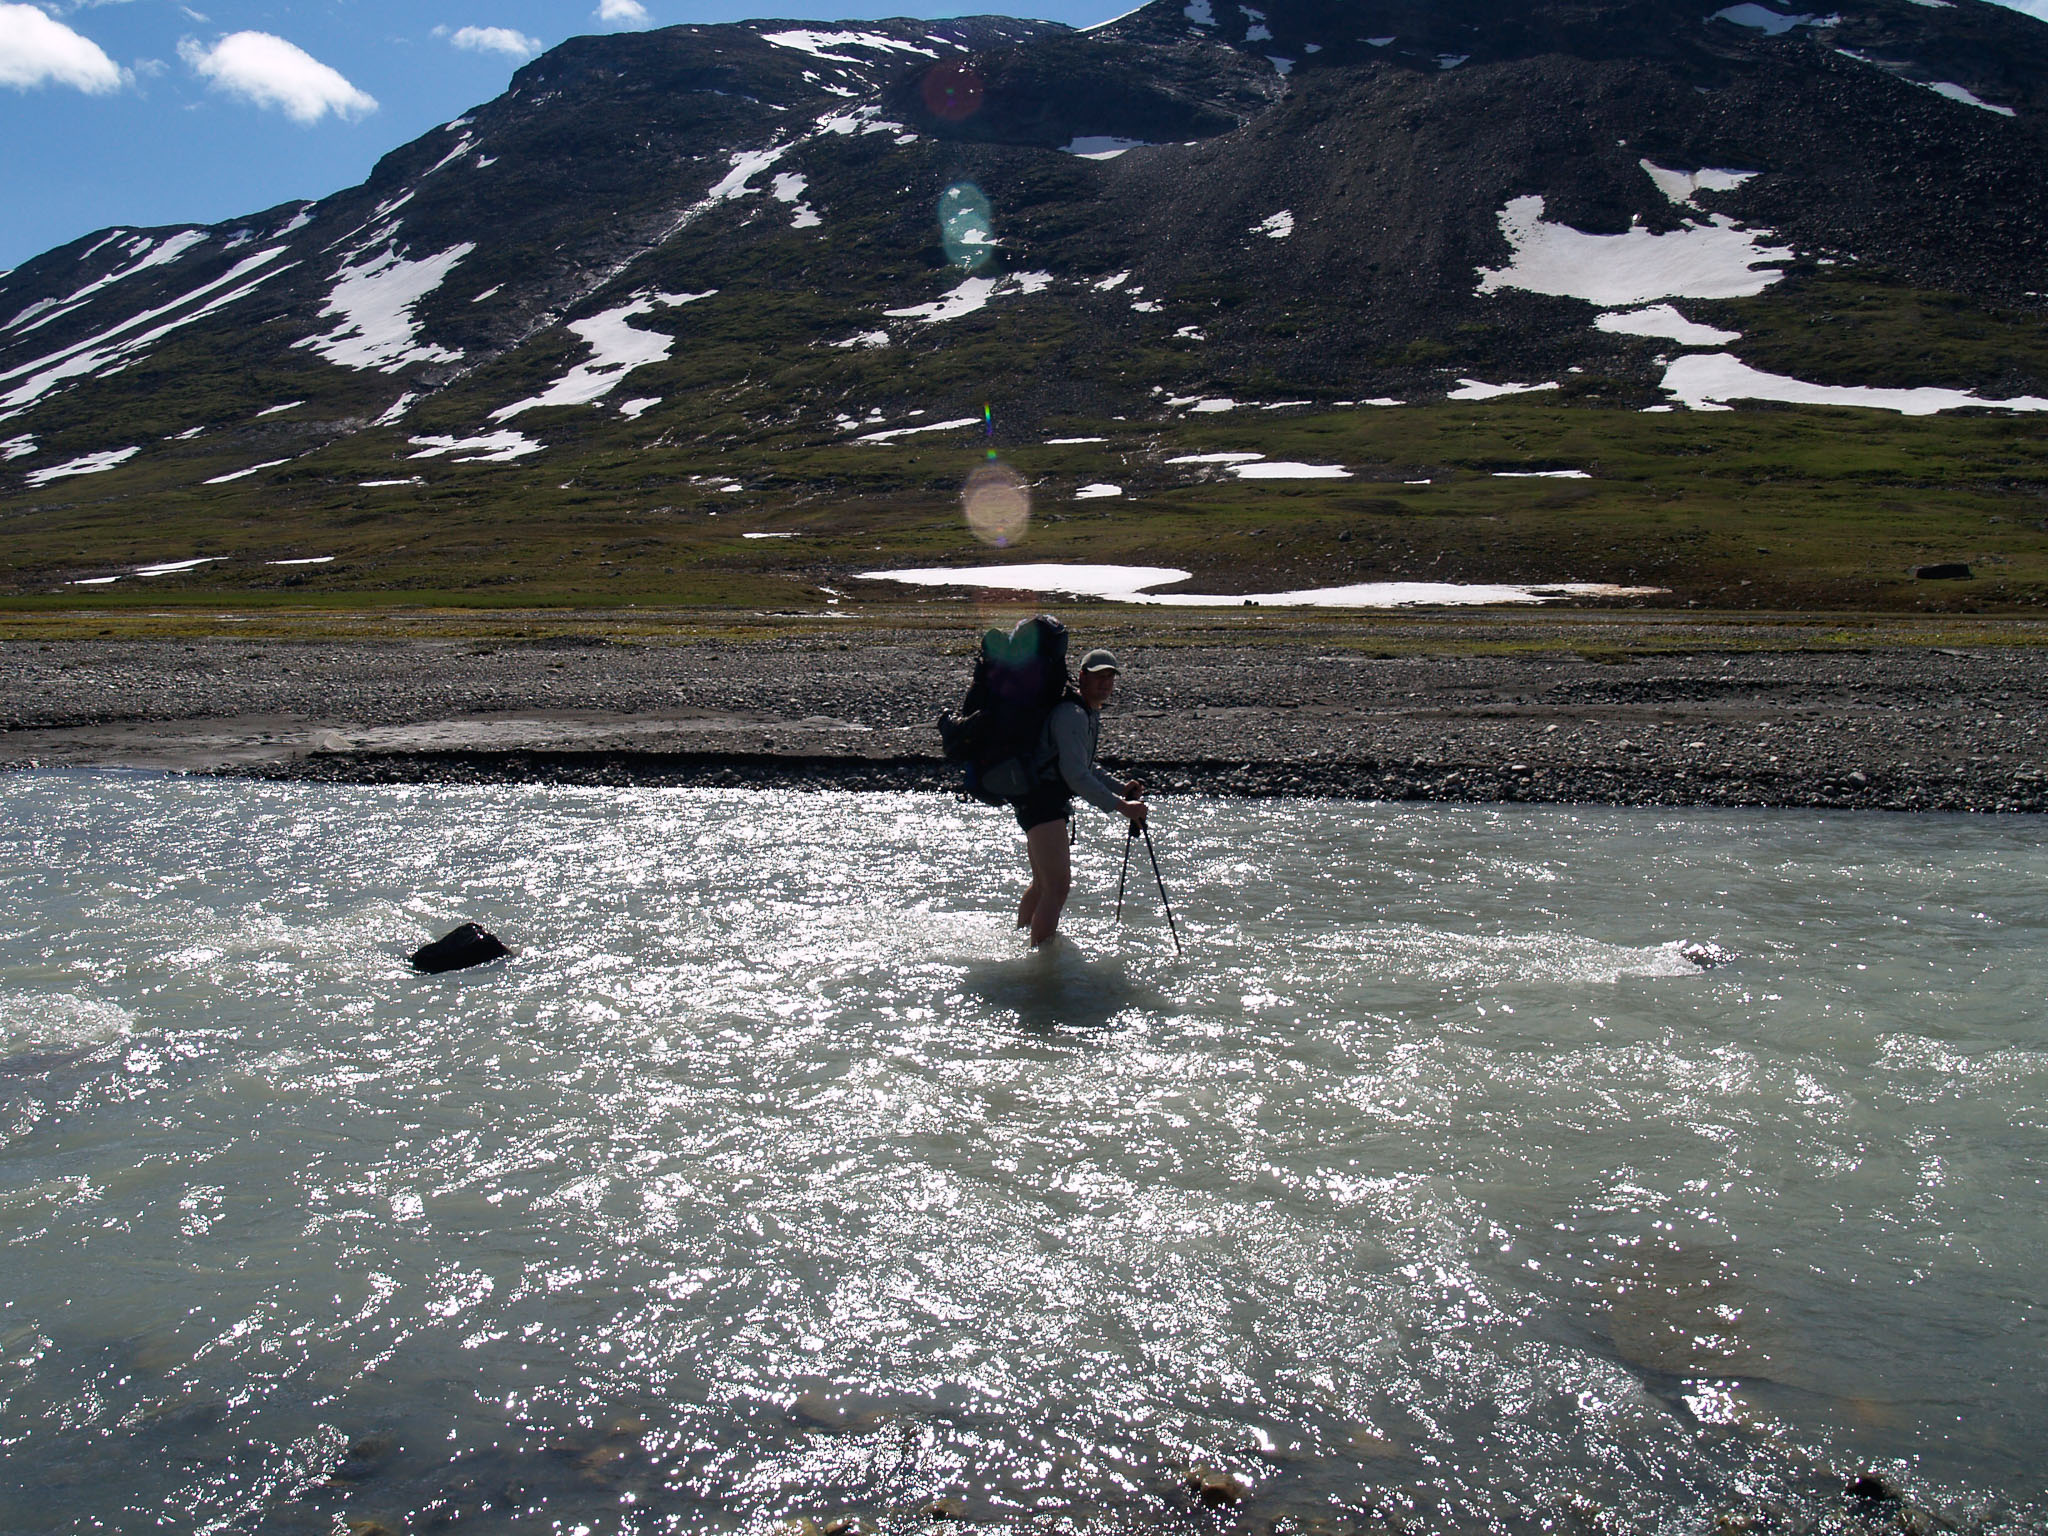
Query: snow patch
x=1114 y=280
x=973 y=293
x=273 y=410
x=817 y=44
x=85 y=464
x=1707 y=381
x=243 y=474
x=1050 y=442
x=864 y=339
x=1771 y=23
x=1956 y=92
x=17 y=448
x=374 y=299
x=891 y=434
x=114 y=346
x=1681 y=186
x=1135 y=584
x=376 y=485
x=1451 y=60
x=1097 y=491
x=620 y=348
x=1282 y=469
x=309 y=560
x=1666 y=323
x=746 y=165
x=491 y=448
x=1103 y=146
x=633 y=410
x=1201 y=13
x=1541 y=474
x=1283 y=67
x=156 y=256
x=1215 y=458
x=1715 y=260
x=1478 y=389
x=1276 y=226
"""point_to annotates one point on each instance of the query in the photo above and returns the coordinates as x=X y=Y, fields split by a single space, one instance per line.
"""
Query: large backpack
x=1018 y=678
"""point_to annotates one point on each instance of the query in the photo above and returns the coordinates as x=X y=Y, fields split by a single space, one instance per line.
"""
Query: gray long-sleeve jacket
x=1071 y=734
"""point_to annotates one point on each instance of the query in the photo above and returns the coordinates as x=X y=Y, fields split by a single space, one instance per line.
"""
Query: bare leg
x=1051 y=879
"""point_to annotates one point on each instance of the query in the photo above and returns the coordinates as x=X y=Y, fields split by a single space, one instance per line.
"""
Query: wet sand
x=1902 y=726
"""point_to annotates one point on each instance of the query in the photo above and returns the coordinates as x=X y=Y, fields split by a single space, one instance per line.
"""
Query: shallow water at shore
x=771 y=1179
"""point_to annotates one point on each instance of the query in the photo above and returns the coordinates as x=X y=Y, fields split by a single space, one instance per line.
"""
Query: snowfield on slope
x=1134 y=584
x=1715 y=260
x=619 y=348
x=374 y=299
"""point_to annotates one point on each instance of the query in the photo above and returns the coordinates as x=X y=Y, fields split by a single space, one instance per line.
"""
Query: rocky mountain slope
x=783 y=238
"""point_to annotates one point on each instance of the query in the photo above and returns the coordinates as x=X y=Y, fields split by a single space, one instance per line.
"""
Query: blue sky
x=151 y=112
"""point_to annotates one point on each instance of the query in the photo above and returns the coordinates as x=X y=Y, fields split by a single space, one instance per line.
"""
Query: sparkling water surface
x=1433 y=1189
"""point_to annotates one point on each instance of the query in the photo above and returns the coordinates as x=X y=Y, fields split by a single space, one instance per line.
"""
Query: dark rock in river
x=1705 y=955
x=1952 y=570
x=467 y=946
x=1213 y=1485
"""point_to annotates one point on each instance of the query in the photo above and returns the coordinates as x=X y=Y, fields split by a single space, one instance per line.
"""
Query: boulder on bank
x=467 y=946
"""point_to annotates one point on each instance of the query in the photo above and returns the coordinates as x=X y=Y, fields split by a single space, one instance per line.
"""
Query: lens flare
x=967 y=228
x=997 y=503
x=952 y=91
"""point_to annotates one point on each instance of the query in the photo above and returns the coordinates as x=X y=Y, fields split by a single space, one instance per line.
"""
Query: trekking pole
x=1170 y=925
x=1129 y=833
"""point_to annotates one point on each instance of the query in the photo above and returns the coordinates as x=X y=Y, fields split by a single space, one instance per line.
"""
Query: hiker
x=1065 y=767
x=1026 y=736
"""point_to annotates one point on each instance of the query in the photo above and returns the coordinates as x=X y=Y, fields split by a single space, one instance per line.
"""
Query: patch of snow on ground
x=1146 y=307
x=1280 y=65
x=1191 y=333
x=972 y=294
x=1200 y=13
x=865 y=339
x=21 y=447
x=1707 y=381
x=489 y=293
x=1215 y=405
x=115 y=345
x=309 y=560
x=1050 y=442
x=1135 y=583
x=1666 y=323
x=376 y=485
x=1479 y=389
x=1681 y=186
x=1451 y=60
x=633 y=410
x=243 y=474
x=398 y=408
x=767 y=535
x=619 y=348
x=1114 y=280
x=56 y=309
x=746 y=165
x=374 y=300
x=1541 y=474
x=1715 y=260
x=491 y=448
x=816 y=44
x=1214 y=458
x=1379 y=42
x=273 y=410
x=1771 y=23
x=1103 y=146
x=93 y=581
x=85 y=464
x=1285 y=470
x=177 y=567
x=1097 y=491
x=1956 y=92
x=891 y=434
x=788 y=187
x=1276 y=226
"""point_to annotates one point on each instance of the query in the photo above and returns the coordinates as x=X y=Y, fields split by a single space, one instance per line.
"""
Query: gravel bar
x=1901 y=727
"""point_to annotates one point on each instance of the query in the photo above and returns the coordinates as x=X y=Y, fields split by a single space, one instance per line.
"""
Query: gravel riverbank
x=1903 y=727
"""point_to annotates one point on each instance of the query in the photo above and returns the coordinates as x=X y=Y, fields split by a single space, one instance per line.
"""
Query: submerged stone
x=467 y=946
x=1213 y=1485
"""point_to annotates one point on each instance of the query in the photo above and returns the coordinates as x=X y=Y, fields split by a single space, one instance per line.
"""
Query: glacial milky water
x=1433 y=1190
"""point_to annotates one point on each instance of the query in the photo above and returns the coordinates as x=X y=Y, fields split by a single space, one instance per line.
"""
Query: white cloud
x=36 y=49
x=627 y=13
x=505 y=40
x=270 y=72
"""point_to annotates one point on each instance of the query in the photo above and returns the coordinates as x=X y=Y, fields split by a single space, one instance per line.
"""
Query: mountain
x=663 y=263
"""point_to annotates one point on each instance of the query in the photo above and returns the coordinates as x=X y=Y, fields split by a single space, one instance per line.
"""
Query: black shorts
x=1048 y=802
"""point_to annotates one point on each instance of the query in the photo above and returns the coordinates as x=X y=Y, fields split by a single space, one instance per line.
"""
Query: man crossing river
x=1064 y=766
